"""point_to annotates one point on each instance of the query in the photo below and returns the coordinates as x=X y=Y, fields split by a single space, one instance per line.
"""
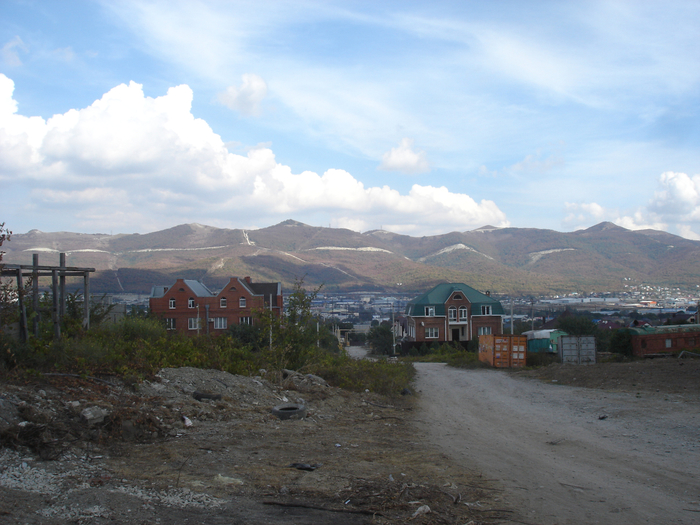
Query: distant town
x=361 y=308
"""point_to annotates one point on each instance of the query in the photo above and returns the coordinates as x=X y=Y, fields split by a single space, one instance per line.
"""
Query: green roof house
x=453 y=312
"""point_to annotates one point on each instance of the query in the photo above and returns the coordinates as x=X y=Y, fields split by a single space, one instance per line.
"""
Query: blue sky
x=417 y=117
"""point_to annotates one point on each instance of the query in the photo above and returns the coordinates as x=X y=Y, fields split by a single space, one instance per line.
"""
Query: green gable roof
x=442 y=292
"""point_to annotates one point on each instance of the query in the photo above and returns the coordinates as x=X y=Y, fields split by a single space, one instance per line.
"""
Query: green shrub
x=382 y=377
x=541 y=358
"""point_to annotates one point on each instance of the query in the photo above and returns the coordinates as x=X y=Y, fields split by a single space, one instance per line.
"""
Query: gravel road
x=567 y=455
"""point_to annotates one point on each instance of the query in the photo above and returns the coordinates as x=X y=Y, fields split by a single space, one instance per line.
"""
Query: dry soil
x=473 y=447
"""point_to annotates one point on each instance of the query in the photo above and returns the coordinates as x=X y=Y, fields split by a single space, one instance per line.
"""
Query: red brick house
x=453 y=312
x=191 y=308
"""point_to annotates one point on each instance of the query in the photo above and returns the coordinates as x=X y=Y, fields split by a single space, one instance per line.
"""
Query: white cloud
x=404 y=159
x=674 y=207
x=579 y=213
x=679 y=194
x=640 y=221
x=247 y=98
x=537 y=164
x=149 y=163
x=9 y=54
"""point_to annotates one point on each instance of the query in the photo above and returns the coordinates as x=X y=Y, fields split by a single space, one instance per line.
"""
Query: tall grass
x=139 y=348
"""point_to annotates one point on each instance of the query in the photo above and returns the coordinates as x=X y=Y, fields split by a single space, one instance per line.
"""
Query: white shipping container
x=577 y=349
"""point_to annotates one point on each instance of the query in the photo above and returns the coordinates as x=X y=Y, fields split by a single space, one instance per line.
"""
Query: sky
x=415 y=117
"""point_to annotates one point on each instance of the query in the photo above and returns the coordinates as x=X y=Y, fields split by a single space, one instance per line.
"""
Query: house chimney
x=488 y=293
x=247 y=279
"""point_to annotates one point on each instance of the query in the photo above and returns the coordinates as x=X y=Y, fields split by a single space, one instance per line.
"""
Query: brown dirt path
x=568 y=455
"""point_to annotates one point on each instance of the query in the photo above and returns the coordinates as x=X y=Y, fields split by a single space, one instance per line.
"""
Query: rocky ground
x=81 y=450
x=88 y=450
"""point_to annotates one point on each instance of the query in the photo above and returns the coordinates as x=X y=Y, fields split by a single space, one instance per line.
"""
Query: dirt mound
x=204 y=445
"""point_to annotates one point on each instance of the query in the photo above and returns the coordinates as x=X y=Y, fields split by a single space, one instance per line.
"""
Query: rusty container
x=518 y=350
x=503 y=351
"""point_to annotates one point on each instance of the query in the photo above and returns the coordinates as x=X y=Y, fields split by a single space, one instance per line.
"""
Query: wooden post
x=54 y=309
x=62 y=284
x=86 y=302
x=23 y=328
x=35 y=293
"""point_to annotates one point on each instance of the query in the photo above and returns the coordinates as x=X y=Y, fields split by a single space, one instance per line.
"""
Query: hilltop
x=504 y=260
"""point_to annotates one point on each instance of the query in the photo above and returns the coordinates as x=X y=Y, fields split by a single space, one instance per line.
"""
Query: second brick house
x=191 y=308
x=453 y=312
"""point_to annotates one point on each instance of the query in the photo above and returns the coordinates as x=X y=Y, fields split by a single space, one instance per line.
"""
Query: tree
x=8 y=293
x=5 y=235
x=297 y=336
x=577 y=325
x=251 y=335
x=621 y=342
x=381 y=339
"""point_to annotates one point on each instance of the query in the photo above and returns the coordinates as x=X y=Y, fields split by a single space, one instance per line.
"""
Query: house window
x=245 y=320
x=219 y=323
x=170 y=323
x=430 y=311
x=486 y=310
x=190 y=303
x=452 y=313
x=193 y=323
x=222 y=302
x=457 y=297
x=484 y=330
x=462 y=313
x=171 y=304
x=669 y=343
x=432 y=333
x=241 y=302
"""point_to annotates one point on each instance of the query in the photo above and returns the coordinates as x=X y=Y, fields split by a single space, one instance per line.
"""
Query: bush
x=541 y=358
x=382 y=377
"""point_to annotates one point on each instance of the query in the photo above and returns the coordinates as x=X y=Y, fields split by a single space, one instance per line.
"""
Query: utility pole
x=511 y=315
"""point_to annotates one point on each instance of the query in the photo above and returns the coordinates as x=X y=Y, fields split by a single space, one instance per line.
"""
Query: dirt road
x=568 y=455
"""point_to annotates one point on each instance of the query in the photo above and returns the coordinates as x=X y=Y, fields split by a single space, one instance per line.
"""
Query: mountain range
x=518 y=261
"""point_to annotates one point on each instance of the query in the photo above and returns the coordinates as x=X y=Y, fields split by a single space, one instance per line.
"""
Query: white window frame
x=171 y=303
x=463 y=313
x=222 y=302
x=241 y=302
x=190 y=302
x=485 y=330
x=432 y=332
x=193 y=323
x=430 y=311
x=669 y=343
x=220 y=323
x=452 y=313
x=486 y=309
x=245 y=320
x=170 y=323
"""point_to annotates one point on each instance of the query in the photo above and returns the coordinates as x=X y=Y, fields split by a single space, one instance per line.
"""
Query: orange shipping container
x=503 y=351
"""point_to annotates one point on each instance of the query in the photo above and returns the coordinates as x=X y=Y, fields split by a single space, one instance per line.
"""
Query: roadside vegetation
x=138 y=346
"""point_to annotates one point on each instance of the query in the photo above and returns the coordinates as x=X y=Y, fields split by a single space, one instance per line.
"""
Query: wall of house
x=664 y=343
x=423 y=323
x=182 y=313
x=494 y=322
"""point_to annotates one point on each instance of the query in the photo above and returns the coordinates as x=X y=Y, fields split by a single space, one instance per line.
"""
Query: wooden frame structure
x=58 y=276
